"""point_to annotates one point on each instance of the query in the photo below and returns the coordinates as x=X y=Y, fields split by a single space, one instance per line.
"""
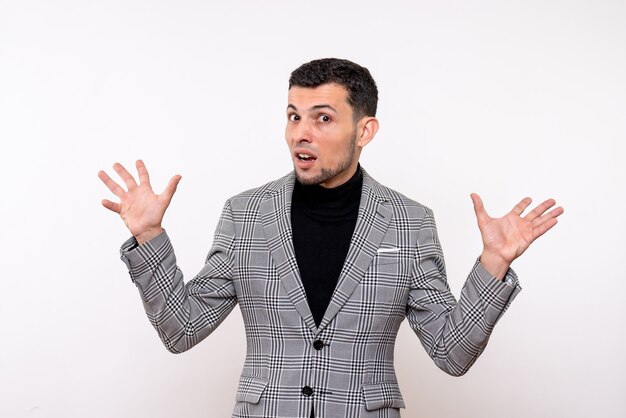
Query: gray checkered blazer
x=343 y=368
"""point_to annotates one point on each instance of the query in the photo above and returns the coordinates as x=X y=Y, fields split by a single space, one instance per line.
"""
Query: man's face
x=322 y=135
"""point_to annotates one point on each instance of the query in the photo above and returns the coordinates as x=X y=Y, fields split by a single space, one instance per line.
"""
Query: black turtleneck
x=323 y=221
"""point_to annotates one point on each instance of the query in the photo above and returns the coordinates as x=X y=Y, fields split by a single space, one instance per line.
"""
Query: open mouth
x=305 y=157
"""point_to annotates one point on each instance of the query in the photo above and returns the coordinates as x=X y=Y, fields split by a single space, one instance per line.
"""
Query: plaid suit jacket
x=343 y=368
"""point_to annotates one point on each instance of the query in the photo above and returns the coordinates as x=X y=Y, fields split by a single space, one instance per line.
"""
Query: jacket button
x=307 y=391
x=318 y=344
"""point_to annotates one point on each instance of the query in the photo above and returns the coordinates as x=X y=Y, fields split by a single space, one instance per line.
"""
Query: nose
x=300 y=132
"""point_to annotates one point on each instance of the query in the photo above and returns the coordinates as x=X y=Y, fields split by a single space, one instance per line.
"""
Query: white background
x=503 y=98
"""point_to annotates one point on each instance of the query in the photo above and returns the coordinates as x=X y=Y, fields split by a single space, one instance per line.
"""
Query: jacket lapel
x=275 y=211
x=373 y=220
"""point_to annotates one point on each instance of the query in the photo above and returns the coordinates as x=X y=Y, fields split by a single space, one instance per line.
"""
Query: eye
x=293 y=117
x=324 y=118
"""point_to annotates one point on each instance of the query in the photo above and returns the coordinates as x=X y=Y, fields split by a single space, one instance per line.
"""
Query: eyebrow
x=316 y=107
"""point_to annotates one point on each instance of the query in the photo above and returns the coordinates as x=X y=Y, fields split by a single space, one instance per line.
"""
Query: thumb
x=479 y=208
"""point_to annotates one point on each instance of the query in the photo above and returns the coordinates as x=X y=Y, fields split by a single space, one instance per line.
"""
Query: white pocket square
x=388 y=250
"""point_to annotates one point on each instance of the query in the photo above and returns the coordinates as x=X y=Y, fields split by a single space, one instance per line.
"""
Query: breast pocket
x=385 y=283
x=386 y=256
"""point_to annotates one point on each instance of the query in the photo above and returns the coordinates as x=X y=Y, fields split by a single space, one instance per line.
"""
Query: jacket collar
x=372 y=222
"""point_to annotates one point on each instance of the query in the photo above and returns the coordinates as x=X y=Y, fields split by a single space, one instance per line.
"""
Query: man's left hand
x=506 y=238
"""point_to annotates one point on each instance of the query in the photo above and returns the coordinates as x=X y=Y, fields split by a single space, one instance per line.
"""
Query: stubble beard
x=328 y=173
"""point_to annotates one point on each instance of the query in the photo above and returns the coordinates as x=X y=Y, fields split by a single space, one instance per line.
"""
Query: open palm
x=141 y=209
x=507 y=238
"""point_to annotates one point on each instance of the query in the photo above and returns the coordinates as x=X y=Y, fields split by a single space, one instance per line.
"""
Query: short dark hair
x=357 y=80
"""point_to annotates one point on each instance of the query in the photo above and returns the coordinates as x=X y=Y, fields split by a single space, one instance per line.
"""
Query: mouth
x=305 y=157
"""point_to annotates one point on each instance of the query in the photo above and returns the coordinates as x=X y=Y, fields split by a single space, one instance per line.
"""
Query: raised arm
x=141 y=209
x=455 y=333
x=183 y=314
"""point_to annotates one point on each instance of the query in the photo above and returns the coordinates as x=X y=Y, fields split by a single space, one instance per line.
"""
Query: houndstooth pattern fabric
x=343 y=368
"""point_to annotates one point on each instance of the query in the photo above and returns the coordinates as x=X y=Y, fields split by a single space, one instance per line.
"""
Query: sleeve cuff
x=142 y=258
x=498 y=294
x=510 y=279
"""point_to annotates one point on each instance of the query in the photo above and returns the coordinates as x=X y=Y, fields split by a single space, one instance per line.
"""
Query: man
x=325 y=264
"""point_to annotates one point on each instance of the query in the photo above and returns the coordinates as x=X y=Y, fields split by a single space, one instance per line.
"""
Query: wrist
x=494 y=264
x=148 y=234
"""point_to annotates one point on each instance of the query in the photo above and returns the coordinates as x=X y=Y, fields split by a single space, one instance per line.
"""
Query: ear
x=367 y=128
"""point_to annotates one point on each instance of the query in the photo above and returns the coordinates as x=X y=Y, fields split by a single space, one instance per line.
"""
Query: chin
x=308 y=179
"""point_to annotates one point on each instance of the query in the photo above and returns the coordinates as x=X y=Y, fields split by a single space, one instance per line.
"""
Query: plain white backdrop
x=502 y=98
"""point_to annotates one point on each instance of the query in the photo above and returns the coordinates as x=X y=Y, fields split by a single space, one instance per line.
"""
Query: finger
x=479 y=208
x=547 y=216
x=129 y=180
x=521 y=206
x=112 y=185
x=544 y=227
x=144 y=177
x=171 y=188
x=112 y=206
x=545 y=222
x=539 y=210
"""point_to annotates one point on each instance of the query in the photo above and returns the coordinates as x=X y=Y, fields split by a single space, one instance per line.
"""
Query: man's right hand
x=141 y=209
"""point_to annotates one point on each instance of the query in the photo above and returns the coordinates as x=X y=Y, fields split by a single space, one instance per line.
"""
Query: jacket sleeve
x=453 y=333
x=184 y=315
